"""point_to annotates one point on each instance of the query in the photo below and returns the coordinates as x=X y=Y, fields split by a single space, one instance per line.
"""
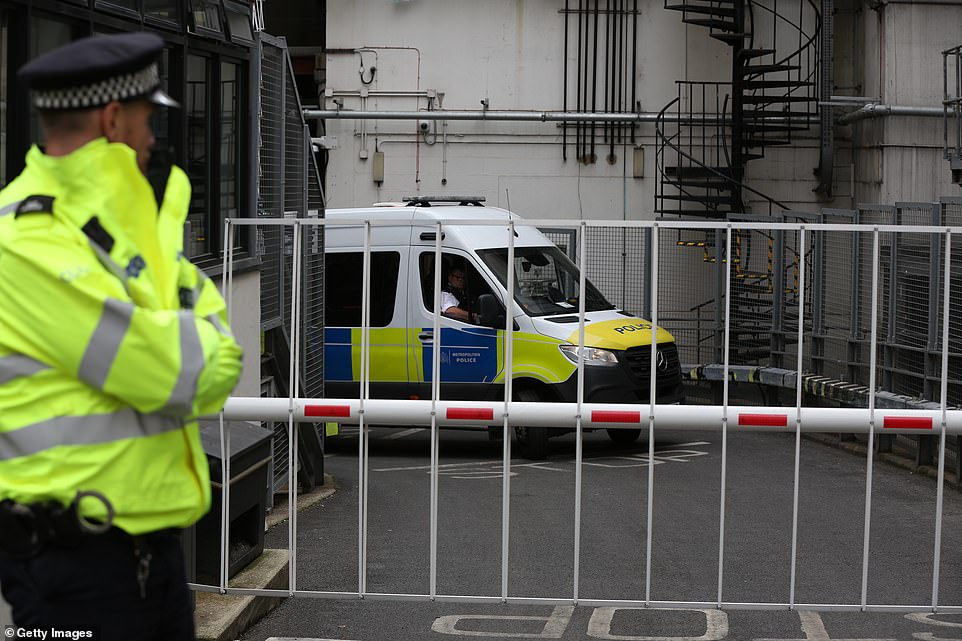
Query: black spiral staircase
x=711 y=130
x=709 y=133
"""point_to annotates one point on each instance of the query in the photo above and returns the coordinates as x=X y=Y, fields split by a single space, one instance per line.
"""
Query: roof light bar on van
x=427 y=201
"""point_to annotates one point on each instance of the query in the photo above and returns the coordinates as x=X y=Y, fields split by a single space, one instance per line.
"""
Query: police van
x=474 y=278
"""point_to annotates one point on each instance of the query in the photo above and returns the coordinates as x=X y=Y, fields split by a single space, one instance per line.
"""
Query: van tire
x=623 y=437
x=532 y=441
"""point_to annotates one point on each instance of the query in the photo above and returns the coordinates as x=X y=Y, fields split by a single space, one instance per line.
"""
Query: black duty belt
x=26 y=529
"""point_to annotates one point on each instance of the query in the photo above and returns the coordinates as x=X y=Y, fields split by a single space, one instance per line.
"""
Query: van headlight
x=593 y=355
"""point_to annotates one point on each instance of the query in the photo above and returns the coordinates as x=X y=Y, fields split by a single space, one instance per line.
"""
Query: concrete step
x=224 y=617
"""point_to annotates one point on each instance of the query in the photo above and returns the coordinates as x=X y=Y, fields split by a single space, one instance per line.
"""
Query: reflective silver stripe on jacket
x=9 y=209
x=95 y=429
x=102 y=349
x=181 y=399
x=109 y=264
x=214 y=320
x=17 y=366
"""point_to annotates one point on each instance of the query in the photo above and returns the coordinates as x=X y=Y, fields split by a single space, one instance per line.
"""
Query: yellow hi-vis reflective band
x=620 y=334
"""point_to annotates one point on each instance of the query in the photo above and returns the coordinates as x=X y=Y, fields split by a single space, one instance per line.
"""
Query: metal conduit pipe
x=880 y=4
x=518 y=116
x=506 y=116
x=881 y=111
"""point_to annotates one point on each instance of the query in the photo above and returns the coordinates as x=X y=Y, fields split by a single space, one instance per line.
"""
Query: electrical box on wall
x=638 y=162
x=377 y=167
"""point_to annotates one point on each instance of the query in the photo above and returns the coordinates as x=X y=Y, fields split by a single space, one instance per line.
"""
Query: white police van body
x=545 y=316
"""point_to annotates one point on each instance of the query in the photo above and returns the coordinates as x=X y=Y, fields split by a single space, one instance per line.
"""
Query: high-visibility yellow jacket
x=110 y=341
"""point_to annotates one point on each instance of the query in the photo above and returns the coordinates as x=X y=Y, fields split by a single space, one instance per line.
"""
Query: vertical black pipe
x=594 y=85
x=616 y=103
x=634 y=62
x=564 y=92
x=613 y=55
x=582 y=73
x=583 y=126
x=608 y=71
x=619 y=72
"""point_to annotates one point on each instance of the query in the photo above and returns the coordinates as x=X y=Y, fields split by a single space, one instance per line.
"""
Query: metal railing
x=726 y=418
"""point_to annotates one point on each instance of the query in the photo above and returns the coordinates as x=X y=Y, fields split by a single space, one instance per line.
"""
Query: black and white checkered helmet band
x=97 y=94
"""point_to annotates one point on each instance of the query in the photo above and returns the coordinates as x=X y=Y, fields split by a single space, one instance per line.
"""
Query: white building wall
x=245 y=323
x=510 y=52
x=901 y=158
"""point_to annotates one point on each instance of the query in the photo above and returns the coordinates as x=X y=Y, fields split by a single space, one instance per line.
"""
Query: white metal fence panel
x=833 y=258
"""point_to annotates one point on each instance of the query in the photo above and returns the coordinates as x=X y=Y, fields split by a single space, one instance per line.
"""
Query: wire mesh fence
x=289 y=186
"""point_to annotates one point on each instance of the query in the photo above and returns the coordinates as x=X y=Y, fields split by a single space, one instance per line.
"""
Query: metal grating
x=289 y=186
x=766 y=294
x=270 y=177
x=836 y=287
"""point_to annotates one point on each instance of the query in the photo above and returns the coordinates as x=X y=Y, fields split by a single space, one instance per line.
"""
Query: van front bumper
x=615 y=385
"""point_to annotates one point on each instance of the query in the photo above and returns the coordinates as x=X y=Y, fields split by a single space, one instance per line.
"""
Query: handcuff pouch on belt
x=26 y=529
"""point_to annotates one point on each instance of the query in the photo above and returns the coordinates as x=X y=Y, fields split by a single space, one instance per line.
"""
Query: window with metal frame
x=239 y=24
x=164 y=10
x=127 y=7
x=216 y=158
x=206 y=17
x=198 y=148
x=230 y=134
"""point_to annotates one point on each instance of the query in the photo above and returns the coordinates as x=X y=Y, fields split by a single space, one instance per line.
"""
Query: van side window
x=461 y=285
x=342 y=294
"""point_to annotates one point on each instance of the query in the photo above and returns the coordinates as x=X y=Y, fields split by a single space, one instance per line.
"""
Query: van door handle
x=426 y=337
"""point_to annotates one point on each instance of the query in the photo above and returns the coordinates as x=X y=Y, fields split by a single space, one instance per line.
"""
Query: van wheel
x=623 y=437
x=532 y=441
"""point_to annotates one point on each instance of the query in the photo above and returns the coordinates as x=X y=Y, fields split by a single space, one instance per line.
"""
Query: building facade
x=206 y=66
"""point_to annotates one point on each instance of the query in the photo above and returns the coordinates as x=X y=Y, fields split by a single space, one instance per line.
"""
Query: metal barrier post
x=724 y=420
x=652 y=391
x=940 y=488
x=582 y=278
x=227 y=295
x=508 y=391
x=871 y=409
x=435 y=397
x=798 y=410
x=365 y=391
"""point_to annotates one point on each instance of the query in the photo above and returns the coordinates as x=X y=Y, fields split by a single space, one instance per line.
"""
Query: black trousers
x=95 y=587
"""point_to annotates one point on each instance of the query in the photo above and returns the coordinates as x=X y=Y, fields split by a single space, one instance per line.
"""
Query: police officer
x=111 y=343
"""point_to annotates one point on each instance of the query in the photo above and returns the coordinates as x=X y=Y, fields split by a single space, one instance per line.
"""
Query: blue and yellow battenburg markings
x=471 y=354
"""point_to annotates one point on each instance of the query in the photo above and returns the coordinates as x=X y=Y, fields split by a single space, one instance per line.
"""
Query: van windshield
x=545 y=280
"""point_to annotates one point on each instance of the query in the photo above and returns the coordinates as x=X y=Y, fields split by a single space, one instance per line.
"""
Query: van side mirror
x=491 y=312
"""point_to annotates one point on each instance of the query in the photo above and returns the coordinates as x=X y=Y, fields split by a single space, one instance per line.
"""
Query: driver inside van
x=452 y=293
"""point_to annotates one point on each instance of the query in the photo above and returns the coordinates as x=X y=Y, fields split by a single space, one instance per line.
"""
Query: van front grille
x=667 y=369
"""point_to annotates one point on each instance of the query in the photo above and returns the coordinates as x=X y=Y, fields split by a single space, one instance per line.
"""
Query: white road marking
x=554 y=627
x=925 y=617
x=641 y=459
x=402 y=434
x=599 y=627
x=814 y=630
x=301 y=639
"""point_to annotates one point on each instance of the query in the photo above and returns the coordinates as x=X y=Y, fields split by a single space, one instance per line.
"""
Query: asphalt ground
x=686 y=511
